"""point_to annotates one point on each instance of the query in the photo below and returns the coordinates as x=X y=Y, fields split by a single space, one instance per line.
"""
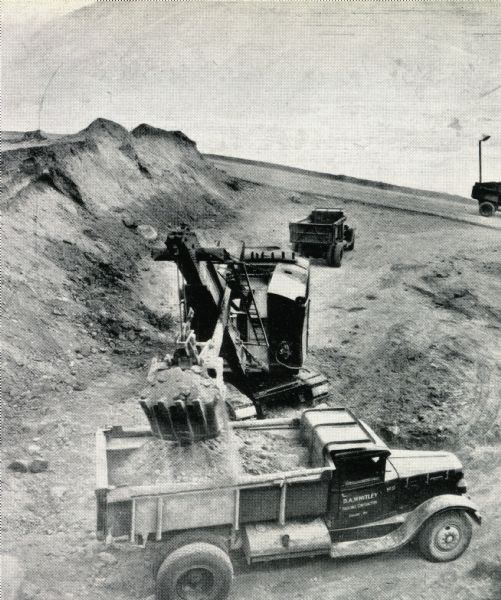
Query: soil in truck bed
x=271 y=451
x=220 y=460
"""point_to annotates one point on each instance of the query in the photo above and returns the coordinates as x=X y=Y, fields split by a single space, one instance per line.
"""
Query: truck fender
x=417 y=518
x=411 y=525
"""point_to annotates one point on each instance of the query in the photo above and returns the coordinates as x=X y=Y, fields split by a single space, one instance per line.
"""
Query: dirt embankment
x=81 y=213
x=431 y=377
x=83 y=318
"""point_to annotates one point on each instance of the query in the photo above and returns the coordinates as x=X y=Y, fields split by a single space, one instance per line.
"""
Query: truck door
x=362 y=490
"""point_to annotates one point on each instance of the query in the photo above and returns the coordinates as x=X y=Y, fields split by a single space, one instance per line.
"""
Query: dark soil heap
x=81 y=213
x=159 y=461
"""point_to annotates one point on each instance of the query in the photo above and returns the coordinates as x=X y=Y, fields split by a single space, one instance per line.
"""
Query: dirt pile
x=84 y=312
x=79 y=212
x=217 y=461
x=431 y=376
x=159 y=461
x=271 y=451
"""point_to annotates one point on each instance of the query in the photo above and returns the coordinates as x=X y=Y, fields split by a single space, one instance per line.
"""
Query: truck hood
x=409 y=463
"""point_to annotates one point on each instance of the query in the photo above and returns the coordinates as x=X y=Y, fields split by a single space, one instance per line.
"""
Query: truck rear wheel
x=197 y=571
x=335 y=255
x=445 y=536
x=486 y=209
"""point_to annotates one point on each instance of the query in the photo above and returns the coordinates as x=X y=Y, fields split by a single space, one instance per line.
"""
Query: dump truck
x=345 y=494
x=323 y=234
x=488 y=195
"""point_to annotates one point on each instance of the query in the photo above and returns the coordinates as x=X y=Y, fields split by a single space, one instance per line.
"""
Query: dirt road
x=452 y=208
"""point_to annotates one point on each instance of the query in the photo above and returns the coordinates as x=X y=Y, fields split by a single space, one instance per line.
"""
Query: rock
x=12 y=578
x=107 y=558
x=19 y=466
x=129 y=221
x=79 y=386
x=487 y=567
x=148 y=232
x=34 y=449
x=84 y=350
x=57 y=492
x=390 y=432
x=38 y=465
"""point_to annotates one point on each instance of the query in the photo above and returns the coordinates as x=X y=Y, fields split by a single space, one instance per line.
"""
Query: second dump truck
x=323 y=234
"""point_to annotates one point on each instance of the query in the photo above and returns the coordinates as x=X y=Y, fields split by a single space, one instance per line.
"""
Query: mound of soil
x=75 y=259
x=159 y=461
x=217 y=461
x=271 y=451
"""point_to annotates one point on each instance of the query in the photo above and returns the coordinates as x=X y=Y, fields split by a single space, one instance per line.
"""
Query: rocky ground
x=407 y=332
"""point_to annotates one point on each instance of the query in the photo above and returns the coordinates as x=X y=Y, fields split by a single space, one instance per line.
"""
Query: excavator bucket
x=184 y=406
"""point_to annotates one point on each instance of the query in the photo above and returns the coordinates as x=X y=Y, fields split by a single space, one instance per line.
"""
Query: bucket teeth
x=182 y=421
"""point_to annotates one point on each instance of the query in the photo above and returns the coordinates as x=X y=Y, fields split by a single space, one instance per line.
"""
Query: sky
x=392 y=91
x=36 y=12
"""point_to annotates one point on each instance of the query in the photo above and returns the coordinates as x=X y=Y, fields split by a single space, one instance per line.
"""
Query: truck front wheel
x=486 y=209
x=349 y=238
x=445 y=536
x=197 y=571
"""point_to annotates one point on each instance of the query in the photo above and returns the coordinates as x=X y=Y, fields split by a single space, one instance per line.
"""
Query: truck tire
x=166 y=547
x=335 y=255
x=487 y=209
x=445 y=536
x=350 y=242
x=197 y=571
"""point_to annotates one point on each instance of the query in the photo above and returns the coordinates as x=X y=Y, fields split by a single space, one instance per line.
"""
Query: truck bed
x=322 y=226
x=145 y=505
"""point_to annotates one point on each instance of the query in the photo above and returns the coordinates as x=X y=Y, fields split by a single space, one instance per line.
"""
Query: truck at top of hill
x=344 y=493
x=323 y=234
x=488 y=194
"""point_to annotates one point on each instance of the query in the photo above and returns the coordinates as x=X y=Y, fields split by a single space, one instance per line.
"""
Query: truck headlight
x=461 y=485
